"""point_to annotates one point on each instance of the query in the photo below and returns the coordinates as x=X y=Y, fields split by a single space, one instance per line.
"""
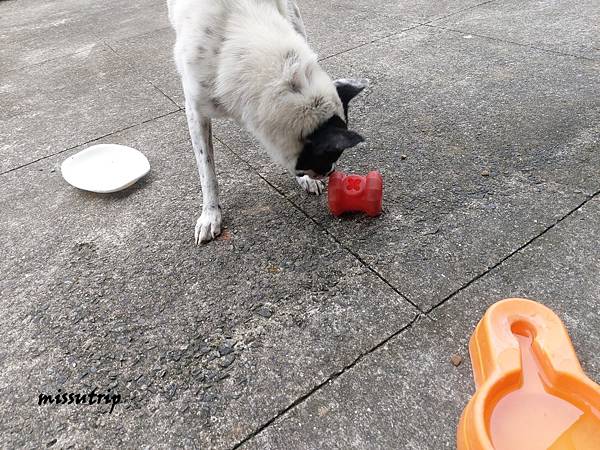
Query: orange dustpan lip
x=496 y=360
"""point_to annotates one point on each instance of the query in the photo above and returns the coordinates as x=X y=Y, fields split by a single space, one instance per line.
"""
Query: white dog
x=249 y=60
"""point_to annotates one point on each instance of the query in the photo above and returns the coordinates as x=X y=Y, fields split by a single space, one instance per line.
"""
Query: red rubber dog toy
x=355 y=193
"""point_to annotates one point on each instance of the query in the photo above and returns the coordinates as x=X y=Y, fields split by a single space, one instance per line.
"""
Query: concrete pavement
x=295 y=329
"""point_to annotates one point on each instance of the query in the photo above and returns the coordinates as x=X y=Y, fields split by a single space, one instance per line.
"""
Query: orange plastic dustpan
x=531 y=390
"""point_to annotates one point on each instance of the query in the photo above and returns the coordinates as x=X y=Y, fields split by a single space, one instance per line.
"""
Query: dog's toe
x=208 y=226
x=310 y=185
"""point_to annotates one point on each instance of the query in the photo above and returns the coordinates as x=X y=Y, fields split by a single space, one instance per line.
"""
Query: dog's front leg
x=311 y=186
x=208 y=225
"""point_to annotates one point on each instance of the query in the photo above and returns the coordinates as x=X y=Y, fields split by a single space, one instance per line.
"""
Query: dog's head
x=323 y=147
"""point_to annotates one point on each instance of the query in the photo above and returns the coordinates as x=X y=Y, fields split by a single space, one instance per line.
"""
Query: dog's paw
x=310 y=185
x=208 y=226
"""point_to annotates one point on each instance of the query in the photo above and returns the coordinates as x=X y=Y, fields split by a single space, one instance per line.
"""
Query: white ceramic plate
x=105 y=168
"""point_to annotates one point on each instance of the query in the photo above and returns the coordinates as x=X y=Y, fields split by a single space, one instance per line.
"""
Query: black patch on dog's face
x=324 y=147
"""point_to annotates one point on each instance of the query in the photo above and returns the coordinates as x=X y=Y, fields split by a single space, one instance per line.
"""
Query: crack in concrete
x=39 y=63
x=100 y=40
x=335 y=375
x=421 y=315
x=417 y=25
x=135 y=70
x=468 y=8
x=505 y=41
x=320 y=225
x=365 y=44
x=513 y=253
x=90 y=141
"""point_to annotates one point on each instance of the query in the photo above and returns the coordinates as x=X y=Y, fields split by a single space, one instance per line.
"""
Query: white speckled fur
x=248 y=60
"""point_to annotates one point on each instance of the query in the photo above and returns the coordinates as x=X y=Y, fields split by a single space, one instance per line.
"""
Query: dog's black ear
x=348 y=89
x=344 y=139
x=331 y=137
